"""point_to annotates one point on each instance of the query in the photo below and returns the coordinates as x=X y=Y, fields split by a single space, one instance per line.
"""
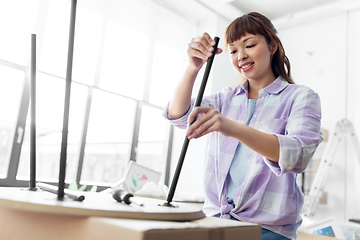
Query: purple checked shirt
x=269 y=194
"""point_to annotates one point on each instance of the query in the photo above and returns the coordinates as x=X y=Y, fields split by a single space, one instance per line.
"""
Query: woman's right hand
x=200 y=49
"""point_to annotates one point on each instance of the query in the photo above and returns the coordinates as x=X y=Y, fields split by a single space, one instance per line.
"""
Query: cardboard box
x=307 y=236
x=24 y=225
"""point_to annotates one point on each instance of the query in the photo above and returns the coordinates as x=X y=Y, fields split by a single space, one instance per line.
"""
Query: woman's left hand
x=211 y=121
x=262 y=143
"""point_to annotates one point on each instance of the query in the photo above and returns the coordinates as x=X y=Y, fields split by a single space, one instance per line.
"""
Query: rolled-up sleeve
x=302 y=135
x=181 y=122
x=213 y=100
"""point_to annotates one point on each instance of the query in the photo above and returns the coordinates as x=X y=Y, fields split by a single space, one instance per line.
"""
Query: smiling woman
x=263 y=28
x=262 y=133
x=252 y=52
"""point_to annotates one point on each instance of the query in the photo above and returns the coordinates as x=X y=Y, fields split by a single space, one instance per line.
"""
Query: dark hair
x=256 y=23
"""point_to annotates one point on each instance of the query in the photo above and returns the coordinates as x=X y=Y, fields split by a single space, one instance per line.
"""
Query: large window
x=127 y=59
x=12 y=81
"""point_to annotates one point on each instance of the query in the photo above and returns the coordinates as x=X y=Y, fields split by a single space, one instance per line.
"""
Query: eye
x=232 y=52
x=251 y=46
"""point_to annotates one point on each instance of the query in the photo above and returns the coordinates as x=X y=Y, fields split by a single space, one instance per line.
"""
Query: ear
x=273 y=47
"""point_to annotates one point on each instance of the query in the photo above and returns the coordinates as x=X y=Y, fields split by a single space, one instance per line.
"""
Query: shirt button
x=255 y=115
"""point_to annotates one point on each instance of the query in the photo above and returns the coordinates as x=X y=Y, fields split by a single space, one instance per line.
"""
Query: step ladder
x=343 y=129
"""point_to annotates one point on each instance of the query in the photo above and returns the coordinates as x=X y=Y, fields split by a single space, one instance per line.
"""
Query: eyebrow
x=247 y=38
x=231 y=44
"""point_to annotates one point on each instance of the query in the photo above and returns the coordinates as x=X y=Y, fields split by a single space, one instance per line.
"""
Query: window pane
x=11 y=81
x=49 y=123
x=86 y=47
x=108 y=140
x=151 y=150
x=165 y=73
x=124 y=61
x=54 y=47
x=17 y=19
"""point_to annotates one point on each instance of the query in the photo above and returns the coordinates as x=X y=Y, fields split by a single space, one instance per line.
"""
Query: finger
x=198 y=45
x=209 y=39
x=197 y=54
x=198 y=110
x=206 y=41
x=195 y=126
x=209 y=113
x=214 y=124
x=203 y=129
x=201 y=46
x=193 y=115
x=219 y=50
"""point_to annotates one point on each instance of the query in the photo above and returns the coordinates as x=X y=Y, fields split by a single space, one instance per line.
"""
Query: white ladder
x=343 y=128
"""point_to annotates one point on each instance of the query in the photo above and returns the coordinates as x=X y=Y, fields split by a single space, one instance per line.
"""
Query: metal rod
x=71 y=194
x=186 y=141
x=63 y=154
x=33 y=114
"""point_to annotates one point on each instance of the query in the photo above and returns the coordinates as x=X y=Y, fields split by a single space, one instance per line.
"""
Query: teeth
x=247 y=65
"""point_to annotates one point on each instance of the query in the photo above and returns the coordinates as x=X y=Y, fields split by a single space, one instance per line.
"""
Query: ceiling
x=230 y=9
x=274 y=9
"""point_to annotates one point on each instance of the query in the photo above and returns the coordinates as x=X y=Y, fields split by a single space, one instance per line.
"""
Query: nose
x=242 y=56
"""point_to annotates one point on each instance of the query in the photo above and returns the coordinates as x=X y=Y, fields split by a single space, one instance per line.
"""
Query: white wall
x=317 y=52
x=324 y=54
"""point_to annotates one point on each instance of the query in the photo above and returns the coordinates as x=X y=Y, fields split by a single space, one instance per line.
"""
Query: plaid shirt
x=269 y=194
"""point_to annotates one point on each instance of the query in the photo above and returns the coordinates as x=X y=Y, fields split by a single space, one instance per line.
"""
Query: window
x=162 y=84
x=12 y=81
x=17 y=23
x=88 y=29
x=56 y=37
x=109 y=137
x=126 y=55
x=124 y=60
x=49 y=110
x=152 y=146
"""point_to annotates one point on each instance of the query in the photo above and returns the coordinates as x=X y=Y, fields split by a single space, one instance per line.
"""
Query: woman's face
x=251 y=56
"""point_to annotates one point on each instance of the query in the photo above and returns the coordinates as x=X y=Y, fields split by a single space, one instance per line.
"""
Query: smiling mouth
x=246 y=66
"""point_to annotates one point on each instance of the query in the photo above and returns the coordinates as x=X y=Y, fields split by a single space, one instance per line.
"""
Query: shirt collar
x=273 y=88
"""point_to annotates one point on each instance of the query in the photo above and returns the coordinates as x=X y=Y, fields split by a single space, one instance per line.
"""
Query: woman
x=262 y=133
